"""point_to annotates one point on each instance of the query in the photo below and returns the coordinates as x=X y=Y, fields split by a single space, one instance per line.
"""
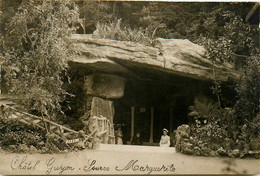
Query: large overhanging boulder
x=172 y=56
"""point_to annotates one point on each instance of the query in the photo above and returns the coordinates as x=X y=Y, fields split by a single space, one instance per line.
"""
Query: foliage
x=92 y=12
x=114 y=30
x=223 y=129
x=225 y=42
x=202 y=108
x=150 y=19
x=37 y=53
x=13 y=133
x=215 y=130
x=248 y=103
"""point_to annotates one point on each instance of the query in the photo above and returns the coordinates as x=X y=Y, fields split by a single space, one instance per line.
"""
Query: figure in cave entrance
x=119 y=135
x=165 y=139
x=137 y=140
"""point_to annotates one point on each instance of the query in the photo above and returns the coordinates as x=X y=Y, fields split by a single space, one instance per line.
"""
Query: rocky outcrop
x=105 y=86
x=172 y=56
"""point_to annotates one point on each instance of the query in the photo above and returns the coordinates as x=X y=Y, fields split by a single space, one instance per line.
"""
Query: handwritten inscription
x=133 y=165
x=60 y=168
x=93 y=167
x=54 y=167
x=18 y=163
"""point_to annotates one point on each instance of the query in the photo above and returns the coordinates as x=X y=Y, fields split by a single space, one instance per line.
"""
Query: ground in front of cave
x=112 y=159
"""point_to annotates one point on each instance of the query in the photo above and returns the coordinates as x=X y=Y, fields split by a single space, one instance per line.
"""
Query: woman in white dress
x=119 y=136
x=165 y=139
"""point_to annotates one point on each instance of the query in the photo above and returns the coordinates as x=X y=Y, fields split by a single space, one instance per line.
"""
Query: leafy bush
x=114 y=30
x=222 y=133
x=202 y=108
x=214 y=131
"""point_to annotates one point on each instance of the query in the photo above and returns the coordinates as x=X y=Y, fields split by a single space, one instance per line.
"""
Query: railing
x=100 y=127
x=104 y=128
x=38 y=122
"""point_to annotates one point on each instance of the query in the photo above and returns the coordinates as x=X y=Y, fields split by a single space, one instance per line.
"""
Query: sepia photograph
x=92 y=87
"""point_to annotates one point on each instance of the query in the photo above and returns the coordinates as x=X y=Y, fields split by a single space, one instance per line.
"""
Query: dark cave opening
x=161 y=103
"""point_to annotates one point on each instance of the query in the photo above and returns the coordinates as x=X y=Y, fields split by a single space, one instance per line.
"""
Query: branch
x=238 y=55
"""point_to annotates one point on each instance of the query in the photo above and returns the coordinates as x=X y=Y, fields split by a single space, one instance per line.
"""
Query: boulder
x=171 y=56
x=105 y=86
x=183 y=138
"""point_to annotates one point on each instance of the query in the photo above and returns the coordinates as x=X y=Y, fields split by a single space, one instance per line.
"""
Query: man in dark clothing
x=137 y=140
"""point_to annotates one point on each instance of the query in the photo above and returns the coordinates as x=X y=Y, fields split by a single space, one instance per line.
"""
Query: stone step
x=135 y=148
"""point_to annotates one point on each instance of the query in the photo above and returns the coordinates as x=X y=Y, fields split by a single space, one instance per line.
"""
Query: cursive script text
x=18 y=163
x=134 y=166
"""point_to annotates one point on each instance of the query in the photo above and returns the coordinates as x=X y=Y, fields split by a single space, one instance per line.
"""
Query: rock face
x=109 y=63
x=172 y=56
x=105 y=85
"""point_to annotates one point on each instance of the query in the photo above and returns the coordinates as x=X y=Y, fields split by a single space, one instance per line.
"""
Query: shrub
x=248 y=103
x=115 y=30
x=15 y=133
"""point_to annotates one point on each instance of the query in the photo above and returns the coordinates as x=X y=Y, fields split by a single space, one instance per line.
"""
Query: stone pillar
x=132 y=122
x=101 y=90
x=102 y=107
x=104 y=88
x=151 y=125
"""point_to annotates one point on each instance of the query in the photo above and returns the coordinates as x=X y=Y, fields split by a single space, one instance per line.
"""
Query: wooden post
x=132 y=123
x=171 y=119
x=151 y=125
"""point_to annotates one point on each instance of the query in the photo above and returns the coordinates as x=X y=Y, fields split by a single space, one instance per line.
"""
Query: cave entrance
x=151 y=105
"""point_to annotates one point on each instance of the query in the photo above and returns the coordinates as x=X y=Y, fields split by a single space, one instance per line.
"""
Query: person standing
x=165 y=139
x=119 y=136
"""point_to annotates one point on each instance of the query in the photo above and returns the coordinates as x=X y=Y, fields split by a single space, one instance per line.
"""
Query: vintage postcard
x=129 y=87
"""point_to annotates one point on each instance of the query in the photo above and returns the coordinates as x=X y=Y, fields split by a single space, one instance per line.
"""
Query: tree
x=37 y=51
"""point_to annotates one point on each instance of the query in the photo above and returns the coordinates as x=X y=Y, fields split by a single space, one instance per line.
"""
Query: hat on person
x=165 y=130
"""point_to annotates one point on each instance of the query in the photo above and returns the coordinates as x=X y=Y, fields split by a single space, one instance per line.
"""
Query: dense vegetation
x=36 y=54
x=36 y=51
